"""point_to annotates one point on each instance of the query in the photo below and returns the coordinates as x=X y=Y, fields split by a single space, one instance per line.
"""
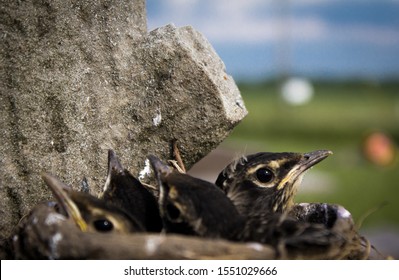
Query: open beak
x=308 y=161
x=58 y=189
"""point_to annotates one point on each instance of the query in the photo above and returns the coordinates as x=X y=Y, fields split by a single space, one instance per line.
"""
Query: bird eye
x=173 y=212
x=103 y=225
x=264 y=175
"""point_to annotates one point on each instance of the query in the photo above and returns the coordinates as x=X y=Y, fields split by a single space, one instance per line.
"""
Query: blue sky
x=316 y=38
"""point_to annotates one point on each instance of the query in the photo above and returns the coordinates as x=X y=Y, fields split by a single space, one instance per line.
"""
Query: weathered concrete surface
x=79 y=77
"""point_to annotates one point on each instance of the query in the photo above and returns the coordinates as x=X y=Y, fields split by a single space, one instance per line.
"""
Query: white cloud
x=257 y=21
x=368 y=34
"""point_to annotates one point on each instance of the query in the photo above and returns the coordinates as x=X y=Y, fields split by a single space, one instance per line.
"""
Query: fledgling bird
x=310 y=231
x=337 y=219
x=330 y=215
x=293 y=239
x=266 y=182
x=194 y=207
x=89 y=213
x=125 y=191
x=263 y=186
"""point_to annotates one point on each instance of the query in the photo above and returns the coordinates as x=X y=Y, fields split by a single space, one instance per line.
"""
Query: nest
x=50 y=231
x=46 y=234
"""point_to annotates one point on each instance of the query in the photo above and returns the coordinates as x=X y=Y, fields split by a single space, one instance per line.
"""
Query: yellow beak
x=59 y=190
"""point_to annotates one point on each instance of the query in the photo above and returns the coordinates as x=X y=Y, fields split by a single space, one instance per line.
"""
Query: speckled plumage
x=192 y=206
x=239 y=180
x=90 y=213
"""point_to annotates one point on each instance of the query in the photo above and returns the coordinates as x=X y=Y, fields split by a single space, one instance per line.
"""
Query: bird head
x=266 y=181
x=125 y=191
x=193 y=206
x=89 y=213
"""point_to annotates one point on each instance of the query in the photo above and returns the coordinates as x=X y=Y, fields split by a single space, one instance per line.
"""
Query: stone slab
x=80 y=77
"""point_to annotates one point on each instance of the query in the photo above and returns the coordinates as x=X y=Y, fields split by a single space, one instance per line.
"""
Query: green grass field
x=338 y=118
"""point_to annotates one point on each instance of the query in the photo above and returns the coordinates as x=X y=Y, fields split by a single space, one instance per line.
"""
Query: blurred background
x=314 y=75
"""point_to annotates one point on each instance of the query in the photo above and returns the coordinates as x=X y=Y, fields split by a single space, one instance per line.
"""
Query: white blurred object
x=297 y=91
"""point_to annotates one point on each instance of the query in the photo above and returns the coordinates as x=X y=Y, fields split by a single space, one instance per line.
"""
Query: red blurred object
x=379 y=149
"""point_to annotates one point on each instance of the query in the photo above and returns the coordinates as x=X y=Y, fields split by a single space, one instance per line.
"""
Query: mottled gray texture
x=79 y=77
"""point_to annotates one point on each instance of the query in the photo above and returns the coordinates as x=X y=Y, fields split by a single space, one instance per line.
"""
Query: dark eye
x=173 y=212
x=264 y=175
x=103 y=225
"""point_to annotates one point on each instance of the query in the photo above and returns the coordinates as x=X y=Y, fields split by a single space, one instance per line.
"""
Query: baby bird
x=194 y=207
x=337 y=219
x=293 y=239
x=263 y=186
x=126 y=192
x=266 y=182
x=90 y=213
x=330 y=215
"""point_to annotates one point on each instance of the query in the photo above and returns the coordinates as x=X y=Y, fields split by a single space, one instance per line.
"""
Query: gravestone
x=80 y=77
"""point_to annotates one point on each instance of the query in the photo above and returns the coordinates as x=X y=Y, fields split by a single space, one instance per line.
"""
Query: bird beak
x=312 y=158
x=114 y=167
x=58 y=189
x=160 y=169
x=308 y=161
x=113 y=163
